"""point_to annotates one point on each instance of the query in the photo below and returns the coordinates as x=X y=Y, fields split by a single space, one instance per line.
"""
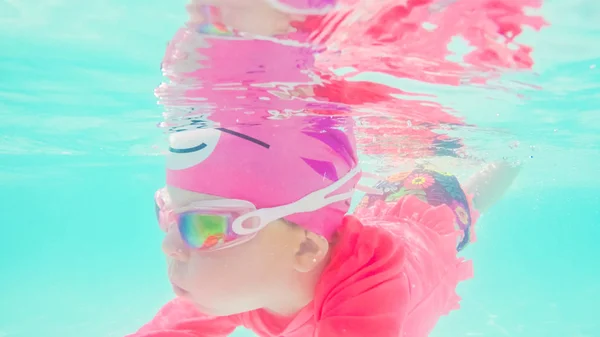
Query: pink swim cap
x=269 y=165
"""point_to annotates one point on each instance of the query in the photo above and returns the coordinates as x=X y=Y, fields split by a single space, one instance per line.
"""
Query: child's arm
x=179 y=318
x=250 y=16
x=489 y=185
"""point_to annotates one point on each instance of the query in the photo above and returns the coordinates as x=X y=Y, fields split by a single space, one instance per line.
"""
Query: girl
x=257 y=236
x=255 y=215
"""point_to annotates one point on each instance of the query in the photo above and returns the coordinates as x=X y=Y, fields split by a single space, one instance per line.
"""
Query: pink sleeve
x=363 y=292
x=179 y=318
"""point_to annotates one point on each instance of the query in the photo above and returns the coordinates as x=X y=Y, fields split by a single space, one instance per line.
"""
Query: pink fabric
x=393 y=276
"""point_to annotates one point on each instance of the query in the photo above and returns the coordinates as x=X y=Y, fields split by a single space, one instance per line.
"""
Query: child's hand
x=489 y=185
x=249 y=16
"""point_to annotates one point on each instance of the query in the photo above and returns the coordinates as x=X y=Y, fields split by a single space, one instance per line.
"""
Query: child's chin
x=216 y=312
x=179 y=291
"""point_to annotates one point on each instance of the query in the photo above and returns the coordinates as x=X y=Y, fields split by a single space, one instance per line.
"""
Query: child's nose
x=173 y=246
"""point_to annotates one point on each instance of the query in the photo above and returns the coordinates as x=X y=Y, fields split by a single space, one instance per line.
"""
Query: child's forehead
x=180 y=198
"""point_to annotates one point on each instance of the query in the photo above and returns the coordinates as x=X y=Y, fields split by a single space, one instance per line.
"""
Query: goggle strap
x=309 y=203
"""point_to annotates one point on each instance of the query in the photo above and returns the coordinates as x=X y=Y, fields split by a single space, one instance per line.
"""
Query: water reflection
x=242 y=64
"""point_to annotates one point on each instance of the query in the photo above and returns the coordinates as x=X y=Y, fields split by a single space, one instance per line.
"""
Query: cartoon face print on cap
x=190 y=148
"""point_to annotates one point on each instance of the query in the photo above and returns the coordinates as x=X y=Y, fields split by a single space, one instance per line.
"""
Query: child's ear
x=310 y=252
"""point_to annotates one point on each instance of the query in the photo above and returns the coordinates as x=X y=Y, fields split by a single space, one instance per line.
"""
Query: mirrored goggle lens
x=203 y=231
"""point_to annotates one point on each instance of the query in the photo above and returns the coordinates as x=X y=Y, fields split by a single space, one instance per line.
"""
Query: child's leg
x=489 y=185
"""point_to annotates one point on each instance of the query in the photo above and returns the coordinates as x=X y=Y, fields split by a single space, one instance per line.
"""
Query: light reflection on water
x=98 y=83
x=272 y=69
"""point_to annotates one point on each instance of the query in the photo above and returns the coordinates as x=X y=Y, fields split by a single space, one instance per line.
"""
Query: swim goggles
x=222 y=223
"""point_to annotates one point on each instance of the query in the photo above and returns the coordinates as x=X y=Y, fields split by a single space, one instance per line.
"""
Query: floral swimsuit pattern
x=434 y=188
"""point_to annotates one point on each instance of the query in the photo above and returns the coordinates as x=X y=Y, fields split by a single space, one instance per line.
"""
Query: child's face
x=232 y=280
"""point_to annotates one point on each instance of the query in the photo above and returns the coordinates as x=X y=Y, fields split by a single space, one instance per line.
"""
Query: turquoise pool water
x=81 y=251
